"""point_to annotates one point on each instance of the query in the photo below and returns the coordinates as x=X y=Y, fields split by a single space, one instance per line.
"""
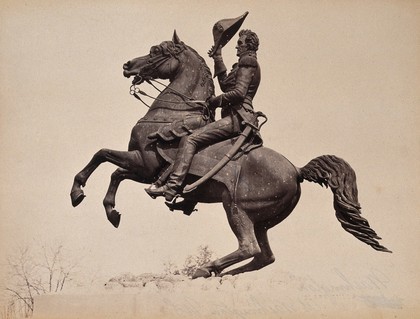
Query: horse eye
x=154 y=50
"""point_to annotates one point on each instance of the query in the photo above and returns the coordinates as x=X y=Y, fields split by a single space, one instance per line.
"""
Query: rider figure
x=239 y=86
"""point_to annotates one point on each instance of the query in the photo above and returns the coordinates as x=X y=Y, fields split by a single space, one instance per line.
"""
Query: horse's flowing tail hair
x=337 y=174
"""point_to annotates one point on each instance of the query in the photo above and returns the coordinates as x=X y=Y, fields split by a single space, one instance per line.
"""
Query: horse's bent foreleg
x=109 y=201
x=243 y=227
x=130 y=160
x=264 y=258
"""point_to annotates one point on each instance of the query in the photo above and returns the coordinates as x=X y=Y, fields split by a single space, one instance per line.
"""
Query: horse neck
x=193 y=79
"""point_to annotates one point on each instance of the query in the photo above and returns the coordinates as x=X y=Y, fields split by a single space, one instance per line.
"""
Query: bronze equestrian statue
x=240 y=86
x=257 y=186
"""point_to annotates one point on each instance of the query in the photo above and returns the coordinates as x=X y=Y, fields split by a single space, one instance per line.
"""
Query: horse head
x=177 y=62
x=162 y=61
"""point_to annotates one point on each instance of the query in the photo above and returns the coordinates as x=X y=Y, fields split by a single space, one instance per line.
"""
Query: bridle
x=153 y=63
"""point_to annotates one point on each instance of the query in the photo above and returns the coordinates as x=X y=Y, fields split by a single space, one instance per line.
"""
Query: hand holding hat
x=223 y=31
x=215 y=52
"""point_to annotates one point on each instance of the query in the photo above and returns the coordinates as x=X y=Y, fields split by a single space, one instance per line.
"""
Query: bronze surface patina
x=257 y=186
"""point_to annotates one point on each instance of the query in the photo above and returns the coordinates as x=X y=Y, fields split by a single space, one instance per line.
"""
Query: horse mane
x=207 y=73
x=175 y=48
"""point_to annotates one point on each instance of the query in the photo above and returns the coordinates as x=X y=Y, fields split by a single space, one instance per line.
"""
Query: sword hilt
x=255 y=116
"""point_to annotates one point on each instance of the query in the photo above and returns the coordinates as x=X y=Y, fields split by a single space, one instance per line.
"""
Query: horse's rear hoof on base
x=201 y=273
x=114 y=217
x=77 y=197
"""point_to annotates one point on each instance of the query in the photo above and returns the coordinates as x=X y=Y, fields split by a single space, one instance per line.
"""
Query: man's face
x=241 y=46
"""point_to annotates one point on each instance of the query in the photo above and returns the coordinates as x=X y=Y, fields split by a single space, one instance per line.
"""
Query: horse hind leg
x=109 y=201
x=243 y=227
x=264 y=258
x=129 y=160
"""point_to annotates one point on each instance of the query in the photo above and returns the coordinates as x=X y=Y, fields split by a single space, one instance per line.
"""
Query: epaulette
x=248 y=60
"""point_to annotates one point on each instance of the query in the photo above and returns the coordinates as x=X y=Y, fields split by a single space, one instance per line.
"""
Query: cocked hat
x=224 y=30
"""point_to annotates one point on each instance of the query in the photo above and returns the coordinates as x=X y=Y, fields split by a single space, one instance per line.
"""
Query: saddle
x=203 y=161
x=167 y=140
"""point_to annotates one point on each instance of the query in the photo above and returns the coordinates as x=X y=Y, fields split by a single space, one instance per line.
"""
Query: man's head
x=248 y=41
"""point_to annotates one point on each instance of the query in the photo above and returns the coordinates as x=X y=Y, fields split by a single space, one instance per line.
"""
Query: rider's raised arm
x=219 y=67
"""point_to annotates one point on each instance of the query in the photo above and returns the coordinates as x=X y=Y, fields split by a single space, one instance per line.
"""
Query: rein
x=135 y=91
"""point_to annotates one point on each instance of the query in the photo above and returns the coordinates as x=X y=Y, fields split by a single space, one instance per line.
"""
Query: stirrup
x=186 y=206
x=170 y=198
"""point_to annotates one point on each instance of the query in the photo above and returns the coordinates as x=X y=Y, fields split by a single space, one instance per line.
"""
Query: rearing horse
x=268 y=186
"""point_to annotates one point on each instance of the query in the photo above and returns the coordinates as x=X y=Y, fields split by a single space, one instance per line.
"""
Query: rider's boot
x=164 y=190
x=180 y=169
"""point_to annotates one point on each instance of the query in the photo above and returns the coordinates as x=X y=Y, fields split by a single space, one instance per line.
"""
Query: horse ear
x=175 y=38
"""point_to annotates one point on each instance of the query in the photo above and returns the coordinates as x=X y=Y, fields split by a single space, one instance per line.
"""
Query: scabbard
x=226 y=158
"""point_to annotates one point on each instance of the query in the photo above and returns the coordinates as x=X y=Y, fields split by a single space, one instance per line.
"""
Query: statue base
x=238 y=297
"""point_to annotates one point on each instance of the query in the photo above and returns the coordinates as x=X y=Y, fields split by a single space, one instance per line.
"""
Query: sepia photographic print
x=209 y=159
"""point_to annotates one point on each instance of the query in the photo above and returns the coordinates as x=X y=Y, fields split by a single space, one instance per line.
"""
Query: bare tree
x=36 y=274
x=57 y=268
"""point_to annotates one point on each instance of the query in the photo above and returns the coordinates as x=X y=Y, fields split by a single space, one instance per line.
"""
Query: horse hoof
x=201 y=273
x=77 y=197
x=114 y=217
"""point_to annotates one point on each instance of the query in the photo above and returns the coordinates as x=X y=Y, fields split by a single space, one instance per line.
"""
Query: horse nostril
x=126 y=66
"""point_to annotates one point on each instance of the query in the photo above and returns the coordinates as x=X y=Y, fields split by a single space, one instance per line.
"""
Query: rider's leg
x=207 y=135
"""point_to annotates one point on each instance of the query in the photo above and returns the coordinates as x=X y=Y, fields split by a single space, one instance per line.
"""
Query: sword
x=229 y=155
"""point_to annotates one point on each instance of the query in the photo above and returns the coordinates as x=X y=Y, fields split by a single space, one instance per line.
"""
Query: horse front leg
x=109 y=201
x=130 y=160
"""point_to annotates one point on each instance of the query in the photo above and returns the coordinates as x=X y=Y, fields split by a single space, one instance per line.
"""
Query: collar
x=249 y=53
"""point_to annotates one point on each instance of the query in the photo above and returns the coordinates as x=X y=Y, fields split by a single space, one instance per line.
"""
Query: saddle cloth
x=204 y=160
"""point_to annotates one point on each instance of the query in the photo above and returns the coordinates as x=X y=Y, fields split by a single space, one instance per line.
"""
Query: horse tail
x=337 y=174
